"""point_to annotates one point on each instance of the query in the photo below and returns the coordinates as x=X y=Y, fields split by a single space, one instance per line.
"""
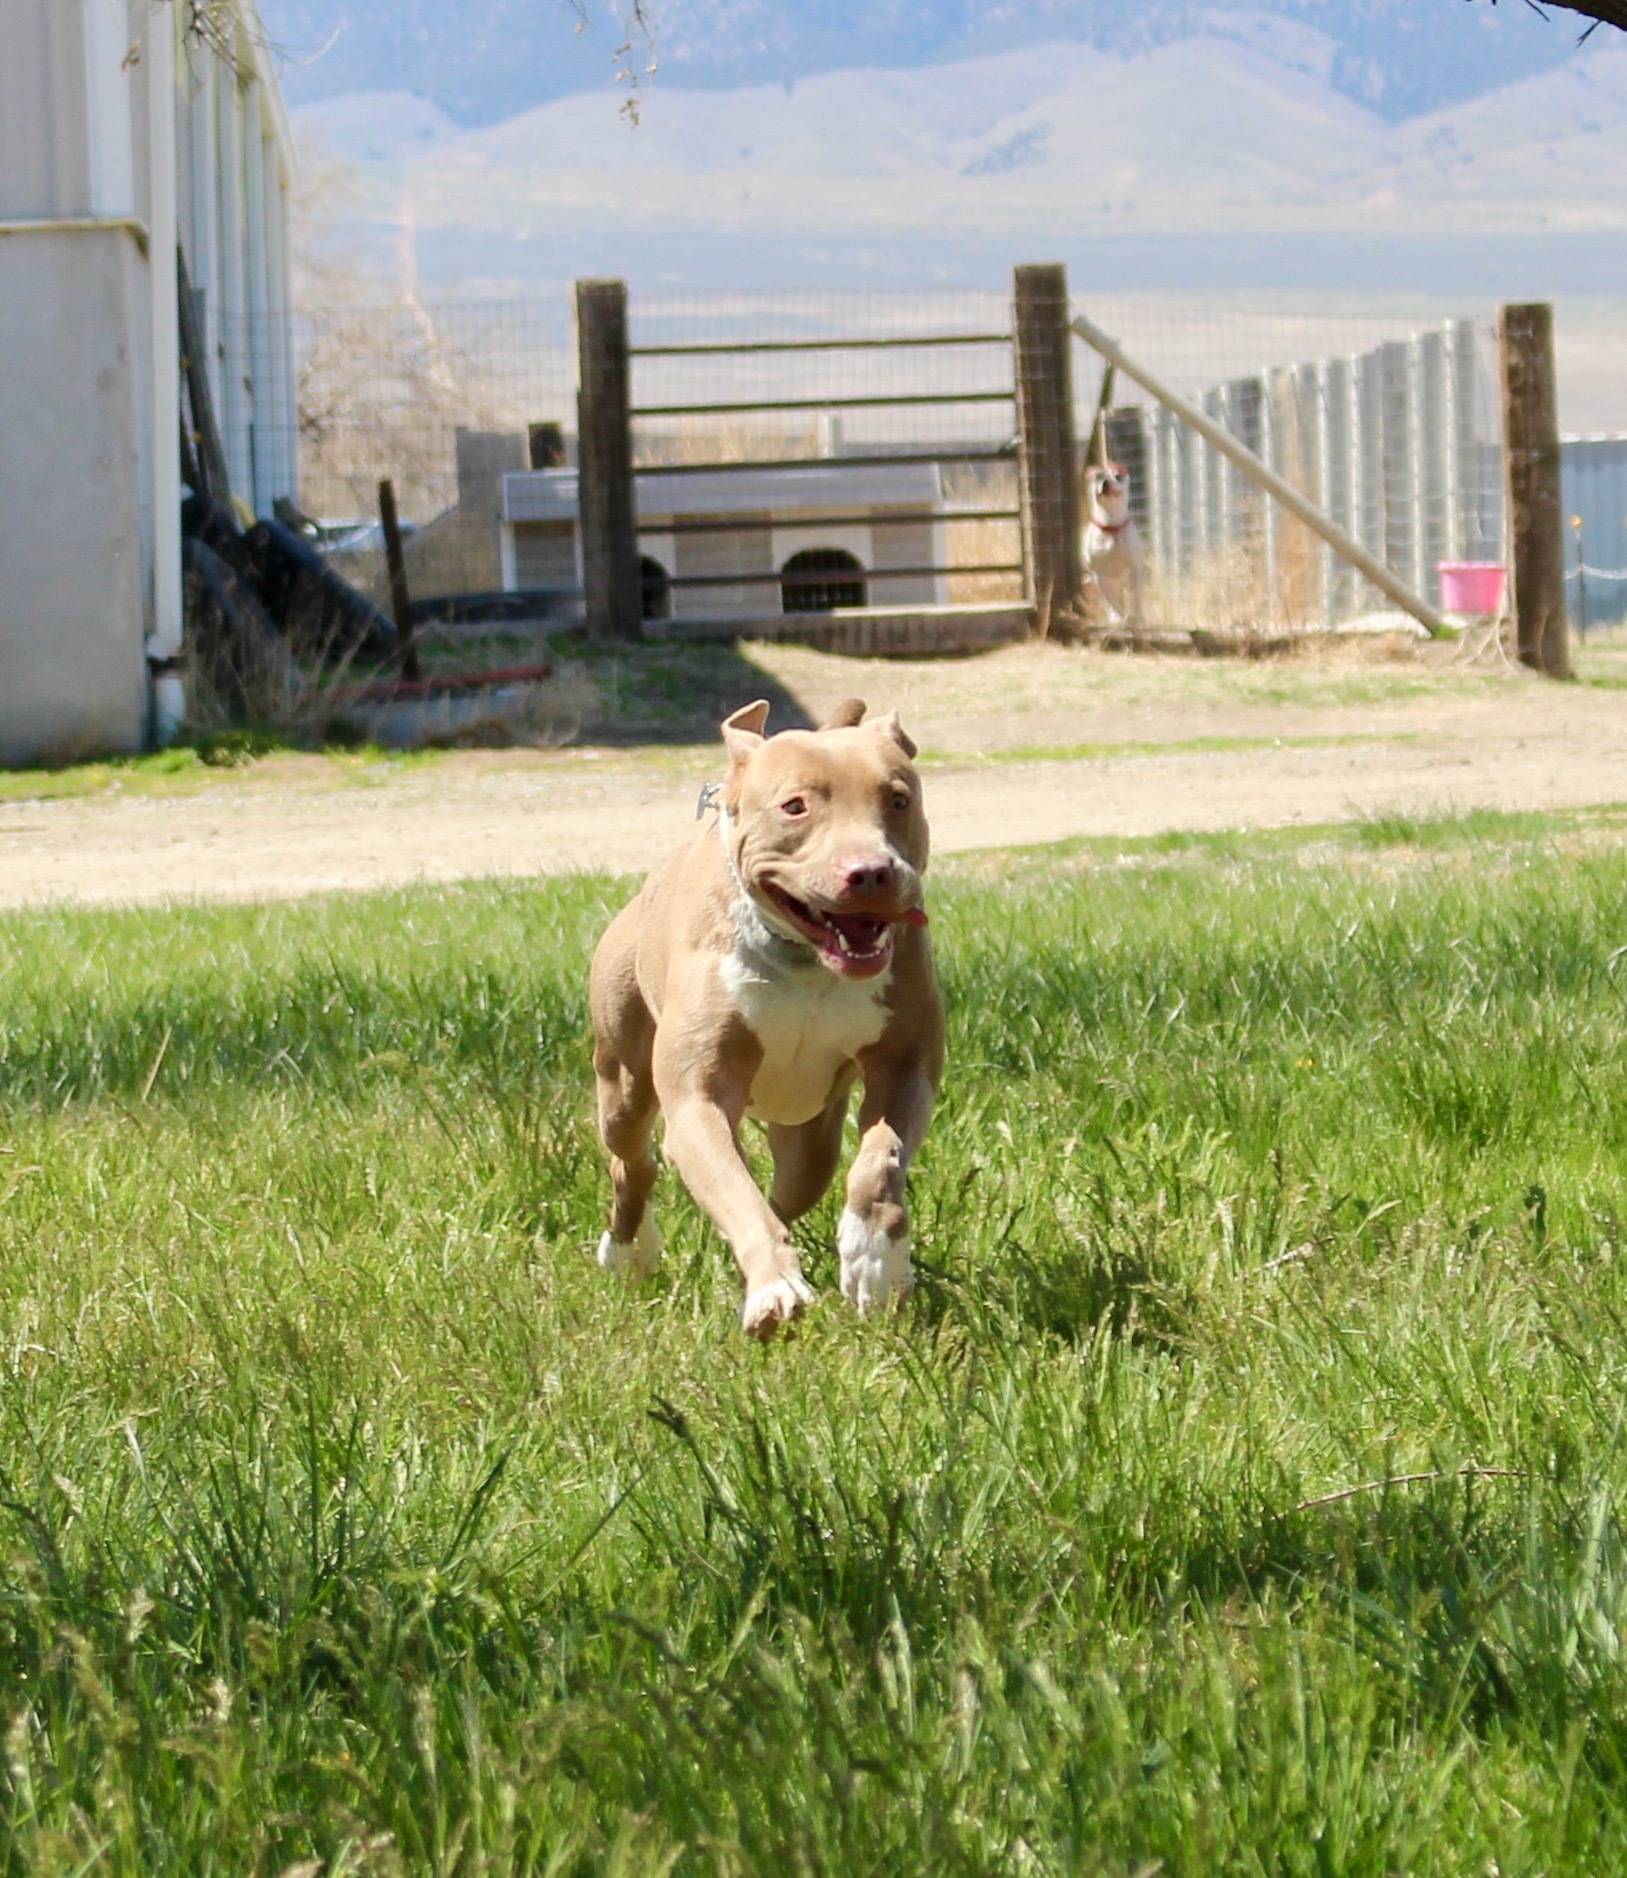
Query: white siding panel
x=44 y=157
x=108 y=76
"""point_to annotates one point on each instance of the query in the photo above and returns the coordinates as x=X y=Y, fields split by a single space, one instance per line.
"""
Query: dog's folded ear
x=848 y=713
x=743 y=731
x=889 y=726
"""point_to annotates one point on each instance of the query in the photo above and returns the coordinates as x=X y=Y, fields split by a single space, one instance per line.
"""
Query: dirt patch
x=1028 y=745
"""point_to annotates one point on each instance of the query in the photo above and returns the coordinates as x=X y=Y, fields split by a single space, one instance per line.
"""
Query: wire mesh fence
x=914 y=392
x=912 y=372
x=384 y=390
x=1395 y=439
x=1391 y=428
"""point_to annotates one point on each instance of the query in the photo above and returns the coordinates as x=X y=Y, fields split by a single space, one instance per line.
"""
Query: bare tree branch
x=1601 y=12
x=638 y=36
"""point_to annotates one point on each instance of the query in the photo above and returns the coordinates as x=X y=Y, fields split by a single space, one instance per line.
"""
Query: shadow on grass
x=668 y=692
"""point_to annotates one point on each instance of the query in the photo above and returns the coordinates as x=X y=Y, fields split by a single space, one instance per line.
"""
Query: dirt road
x=1031 y=745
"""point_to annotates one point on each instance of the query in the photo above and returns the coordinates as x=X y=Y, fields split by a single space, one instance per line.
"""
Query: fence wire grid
x=1390 y=427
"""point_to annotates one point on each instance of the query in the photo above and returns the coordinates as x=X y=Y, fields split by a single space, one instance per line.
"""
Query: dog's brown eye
x=794 y=806
x=901 y=799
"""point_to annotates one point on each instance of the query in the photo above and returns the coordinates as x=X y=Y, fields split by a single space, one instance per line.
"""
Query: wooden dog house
x=723 y=544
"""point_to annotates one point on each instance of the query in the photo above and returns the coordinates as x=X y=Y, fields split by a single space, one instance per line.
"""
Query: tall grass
x=354 y=1523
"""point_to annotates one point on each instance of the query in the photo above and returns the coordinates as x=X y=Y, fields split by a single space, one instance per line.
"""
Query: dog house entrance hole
x=655 y=586
x=805 y=595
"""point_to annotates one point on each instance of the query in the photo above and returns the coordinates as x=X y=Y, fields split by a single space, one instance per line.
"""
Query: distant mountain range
x=482 y=61
x=1210 y=145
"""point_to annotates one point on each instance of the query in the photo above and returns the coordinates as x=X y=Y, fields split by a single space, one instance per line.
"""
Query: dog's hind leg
x=624 y=1036
x=805 y=1159
x=1137 y=610
x=873 y=1235
x=627 y=1109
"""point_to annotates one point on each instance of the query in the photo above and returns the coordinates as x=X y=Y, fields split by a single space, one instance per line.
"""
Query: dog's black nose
x=872 y=875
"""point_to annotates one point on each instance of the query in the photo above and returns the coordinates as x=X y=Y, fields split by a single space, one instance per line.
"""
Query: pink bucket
x=1471 y=586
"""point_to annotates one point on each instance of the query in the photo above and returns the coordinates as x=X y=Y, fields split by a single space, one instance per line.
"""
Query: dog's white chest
x=1111 y=551
x=811 y=1025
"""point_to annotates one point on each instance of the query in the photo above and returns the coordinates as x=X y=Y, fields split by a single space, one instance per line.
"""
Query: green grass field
x=1244 y=1493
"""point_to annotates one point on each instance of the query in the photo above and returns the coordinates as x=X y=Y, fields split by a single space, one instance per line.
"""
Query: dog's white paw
x=769 y=1306
x=640 y=1258
x=875 y=1268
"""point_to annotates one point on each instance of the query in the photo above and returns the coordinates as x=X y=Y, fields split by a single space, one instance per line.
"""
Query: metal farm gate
x=919 y=489
x=898 y=472
x=891 y=492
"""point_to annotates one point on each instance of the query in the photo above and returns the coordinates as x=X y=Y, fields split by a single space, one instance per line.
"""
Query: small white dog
x=1110 y=551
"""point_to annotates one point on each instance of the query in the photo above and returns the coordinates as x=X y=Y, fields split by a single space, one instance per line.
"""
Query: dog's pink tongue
x=916 y=916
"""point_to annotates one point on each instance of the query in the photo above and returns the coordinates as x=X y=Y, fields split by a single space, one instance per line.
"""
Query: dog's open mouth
x=858 y=945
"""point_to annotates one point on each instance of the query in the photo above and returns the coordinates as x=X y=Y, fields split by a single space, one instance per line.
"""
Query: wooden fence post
x=1047 y=461
x=610 y=576
x=400 y=599
x=1535 y=519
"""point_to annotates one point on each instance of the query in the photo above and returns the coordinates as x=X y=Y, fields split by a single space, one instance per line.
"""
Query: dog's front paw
x=875 y=1266
x=638 y=1259
x=771 y=1305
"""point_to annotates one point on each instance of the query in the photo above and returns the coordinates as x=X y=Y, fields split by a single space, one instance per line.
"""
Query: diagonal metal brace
x=1388 y=582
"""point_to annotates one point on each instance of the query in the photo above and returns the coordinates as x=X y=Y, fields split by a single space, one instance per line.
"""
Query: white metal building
x=127 y=128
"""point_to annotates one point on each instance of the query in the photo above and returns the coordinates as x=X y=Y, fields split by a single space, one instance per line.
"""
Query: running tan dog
x=765 y=968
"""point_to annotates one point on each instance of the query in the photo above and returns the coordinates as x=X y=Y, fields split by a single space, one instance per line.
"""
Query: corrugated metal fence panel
x=1397 y=444
x=1594 y=478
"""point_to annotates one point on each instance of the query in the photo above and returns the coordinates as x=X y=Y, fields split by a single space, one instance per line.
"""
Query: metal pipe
x=281 y=414
x=833 y=576
x=81 y=225
x=870 y=518
x=262 y=437
x=1002 y=453
x=164 y=383
x=232 y=328
x=1284 y=492
x=203 y=251
x=824 y=404
x=818 y=345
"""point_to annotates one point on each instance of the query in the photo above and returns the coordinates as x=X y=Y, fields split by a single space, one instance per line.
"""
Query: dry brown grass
x=725 y=443
x=978 y=544
x=384 y=381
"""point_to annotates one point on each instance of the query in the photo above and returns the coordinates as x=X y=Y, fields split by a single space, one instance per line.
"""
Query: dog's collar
x=725 y=827
x=1111 y=528
x=710 y=798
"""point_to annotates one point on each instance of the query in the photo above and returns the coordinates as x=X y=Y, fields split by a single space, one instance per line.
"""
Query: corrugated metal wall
x=232 y=184
x=102 y=140
x=1594 y=473
x=44 y=148
x=1398 y=444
